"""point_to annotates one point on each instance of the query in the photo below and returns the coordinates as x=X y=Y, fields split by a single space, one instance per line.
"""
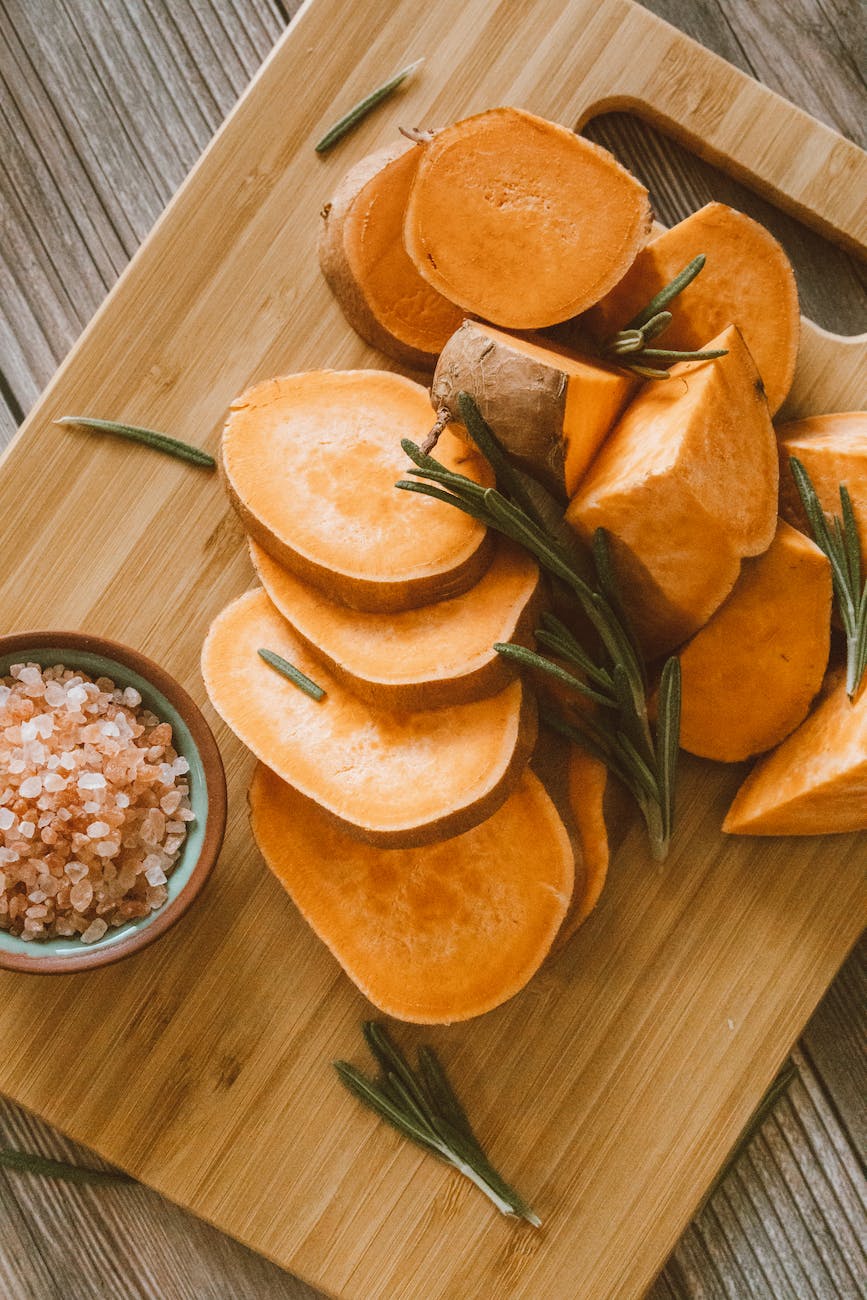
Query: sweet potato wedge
x=833 y=450
x=430 y=935
x=549 y=408
x=362 y=257
x=520 y=221
x=750 y=675
x=686 y=485
x=394 y=779
x=310 y=462
x=422 y=658
x=815 y=783
x=747 y=281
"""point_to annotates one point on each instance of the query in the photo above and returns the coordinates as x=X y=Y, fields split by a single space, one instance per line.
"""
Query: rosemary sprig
x=620 y=733
x=150 y=438
x=363 y=107
x=839 y=540
x=25 y=1162
x=293 y=674
x=421 y=1104
x=629 y=349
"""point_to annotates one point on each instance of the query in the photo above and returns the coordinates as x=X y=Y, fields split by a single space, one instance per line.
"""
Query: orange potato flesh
x=422 y=658
x=746 y=281
x=588 y=779
x=311 y=461
x=833 y=450
x=686 y=485
x=750 y=675
x=363 y=258
x=521 y=221
x=397 y=779
x=815 y=783
x=430 y=935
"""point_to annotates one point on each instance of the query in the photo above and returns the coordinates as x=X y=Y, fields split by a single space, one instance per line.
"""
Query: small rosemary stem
x=659 y=841
x=852 y=674
x=443 y=419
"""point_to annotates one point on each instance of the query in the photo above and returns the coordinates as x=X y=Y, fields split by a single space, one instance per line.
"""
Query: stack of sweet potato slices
x=513 y=260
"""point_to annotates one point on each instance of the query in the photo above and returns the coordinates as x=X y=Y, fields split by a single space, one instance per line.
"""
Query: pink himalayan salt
x=96 y=774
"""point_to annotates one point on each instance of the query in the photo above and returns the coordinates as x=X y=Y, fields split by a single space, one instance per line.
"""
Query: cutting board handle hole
x=831 y=281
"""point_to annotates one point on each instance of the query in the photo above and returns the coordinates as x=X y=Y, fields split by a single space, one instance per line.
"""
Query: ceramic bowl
x=192 y=738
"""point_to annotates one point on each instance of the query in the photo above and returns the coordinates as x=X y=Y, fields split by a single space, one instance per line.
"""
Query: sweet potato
x=395 y=779
x=431 y=935
x=310 y=462
x=747 y=281
x=362 y=257
x=588 y=780
x=815 y=783
x=750 y=675
x=550 y=409
x=422 y=658
x=686 y=485
x=833 y=450
x=521 y=221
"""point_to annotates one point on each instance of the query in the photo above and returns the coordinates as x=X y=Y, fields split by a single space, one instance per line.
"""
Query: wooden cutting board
x=612 y=1088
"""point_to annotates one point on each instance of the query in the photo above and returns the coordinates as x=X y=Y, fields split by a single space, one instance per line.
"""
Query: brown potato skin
x=335 y=267
x=522 y=400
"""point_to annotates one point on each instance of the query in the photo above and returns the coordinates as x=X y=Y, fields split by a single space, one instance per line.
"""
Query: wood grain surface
x=721 y=1258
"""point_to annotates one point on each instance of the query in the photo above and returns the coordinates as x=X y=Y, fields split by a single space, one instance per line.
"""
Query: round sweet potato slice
x=395 y=779
x=310 y=462
x=422 y=658
x=431 y=935
x=521 y=221
x=362 y=257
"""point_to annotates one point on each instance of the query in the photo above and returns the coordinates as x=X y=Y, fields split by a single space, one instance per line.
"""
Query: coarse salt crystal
x=75 y=870
x=170 y=802
x=155 y=876
x=53 y=782
x=30 y=676
x=67 y=760
x=55 y=695
x=91 y=781
x=121 y=800
x=131 y=697
x=81 y=895
x=98 y=830
x=7 y=819
x=172 y=844
x=107 y=848
x=27 y=829
x=30 y=787
x=180 y=766
x=44 y=725
x=94 y=931
x=28 y=731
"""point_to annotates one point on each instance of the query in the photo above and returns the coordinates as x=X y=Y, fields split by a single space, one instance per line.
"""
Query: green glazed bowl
x=192 y=738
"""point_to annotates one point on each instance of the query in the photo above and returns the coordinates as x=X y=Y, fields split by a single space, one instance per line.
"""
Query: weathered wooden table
x=105 y=106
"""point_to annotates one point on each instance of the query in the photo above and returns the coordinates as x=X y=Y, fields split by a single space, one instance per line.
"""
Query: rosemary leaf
x=360 y=110
x=422 y=1105
x=293 y=674
x=529 y=659
x=508 y=480
x=660 y=300
x=841 y=544
x=149 y=437
x=24 y=1162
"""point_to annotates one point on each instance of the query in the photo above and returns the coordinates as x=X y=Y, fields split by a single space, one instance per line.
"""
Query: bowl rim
x=215 y=785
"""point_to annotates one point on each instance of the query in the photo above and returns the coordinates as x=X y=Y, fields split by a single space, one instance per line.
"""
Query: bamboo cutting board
x=611 y=1089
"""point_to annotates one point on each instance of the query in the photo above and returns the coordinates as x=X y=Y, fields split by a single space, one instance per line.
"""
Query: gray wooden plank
x=109 y=105
x=835 y=1043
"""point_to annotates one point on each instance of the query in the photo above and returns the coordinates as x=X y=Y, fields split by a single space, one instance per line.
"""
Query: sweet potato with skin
x=310 y=462
x=362 y=257
x=394 y=779
x=520 y=221
x=833 y=450
x=686 y=486
x=422 y=658
x=430 y=935
x=815 y=783
x=746 y=281
x=750 y=675
x=550 y=409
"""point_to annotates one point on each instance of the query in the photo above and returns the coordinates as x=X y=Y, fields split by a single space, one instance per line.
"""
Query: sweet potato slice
x=550 y=409
x=362 y=257
x=750 y=675
x=422 y=658
x=747 y=281
x=521 y=221
x=833 y=450
x=588 y=780
x=395 y=779
x=686 y=485
x=430 y=935
x=310 y=463
x=815 y=783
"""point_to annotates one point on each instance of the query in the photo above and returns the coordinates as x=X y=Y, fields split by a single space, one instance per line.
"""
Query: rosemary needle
x=149 y=437
x=363 y=107
x=293 y=674
x=421 y=1104
x=24 y=1162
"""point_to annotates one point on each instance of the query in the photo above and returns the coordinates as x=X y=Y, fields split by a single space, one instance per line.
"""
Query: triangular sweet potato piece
x=815 y=783
x=833 y=450
x=431 y=935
